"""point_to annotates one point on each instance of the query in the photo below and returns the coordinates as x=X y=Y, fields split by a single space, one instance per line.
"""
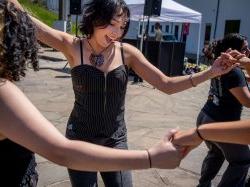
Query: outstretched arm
x=56 y=39
x=171 y=85
x=228 y=132
x=24 y=124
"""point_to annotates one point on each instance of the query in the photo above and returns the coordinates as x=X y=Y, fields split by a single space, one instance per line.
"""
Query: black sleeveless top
x=14 y=161
x=99 y=102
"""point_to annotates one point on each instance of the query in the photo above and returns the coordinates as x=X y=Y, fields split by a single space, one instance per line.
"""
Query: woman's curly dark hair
x=19 y=45
x=234 y=41
x=100 y=13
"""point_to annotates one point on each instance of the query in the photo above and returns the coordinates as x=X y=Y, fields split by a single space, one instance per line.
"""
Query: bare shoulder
x=131 y=53
x=7 y=89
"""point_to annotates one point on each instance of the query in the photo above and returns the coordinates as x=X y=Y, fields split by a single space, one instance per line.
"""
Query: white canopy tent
x=171 y=11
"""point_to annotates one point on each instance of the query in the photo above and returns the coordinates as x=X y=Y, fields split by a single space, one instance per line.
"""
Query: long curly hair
x=18 y=48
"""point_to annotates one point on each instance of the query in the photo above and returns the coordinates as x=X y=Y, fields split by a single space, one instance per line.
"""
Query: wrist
x=191 y=80
x=149 y=158
x=199 y=134
x=211 y=73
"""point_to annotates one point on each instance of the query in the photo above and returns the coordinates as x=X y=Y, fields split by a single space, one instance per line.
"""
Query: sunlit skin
x=107 y=38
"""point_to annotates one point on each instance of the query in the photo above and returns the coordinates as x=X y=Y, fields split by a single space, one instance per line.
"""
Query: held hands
x=240 y=58
x=223 y=64
x=165 y=155
x=173 y=148
x=187 y=138
x=228 y=60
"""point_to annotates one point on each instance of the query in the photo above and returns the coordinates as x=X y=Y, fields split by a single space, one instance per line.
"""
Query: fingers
x=169 y=135
x=229 y=50
x=238 y=57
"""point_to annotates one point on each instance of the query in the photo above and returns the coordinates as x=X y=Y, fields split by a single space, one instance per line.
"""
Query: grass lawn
x=43 y=14
x=40 y=12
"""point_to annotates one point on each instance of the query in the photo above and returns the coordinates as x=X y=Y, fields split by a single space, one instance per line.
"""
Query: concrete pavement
x=149 y=113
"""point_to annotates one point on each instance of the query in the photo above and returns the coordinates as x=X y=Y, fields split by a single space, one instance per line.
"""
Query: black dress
x=17 y=165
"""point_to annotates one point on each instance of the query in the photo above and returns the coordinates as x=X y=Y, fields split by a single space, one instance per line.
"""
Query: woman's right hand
x=165 y=155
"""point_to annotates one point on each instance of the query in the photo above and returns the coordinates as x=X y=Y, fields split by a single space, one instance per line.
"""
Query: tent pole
x=198 y=46
x=142 y=33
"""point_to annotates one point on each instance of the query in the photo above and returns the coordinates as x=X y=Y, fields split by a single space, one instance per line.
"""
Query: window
x=167 y=28
x=208 y=31
x=140 y=29
x=176 y=31
x=232 y=26
x=152 y=28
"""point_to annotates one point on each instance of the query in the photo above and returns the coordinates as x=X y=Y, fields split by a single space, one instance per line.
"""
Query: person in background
x=227 y=94
x=158 y=32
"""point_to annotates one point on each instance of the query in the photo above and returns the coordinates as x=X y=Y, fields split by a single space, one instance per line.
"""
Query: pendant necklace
x=96 y=59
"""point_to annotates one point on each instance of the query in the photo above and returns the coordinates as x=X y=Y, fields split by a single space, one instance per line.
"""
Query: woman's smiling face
x=104 y=35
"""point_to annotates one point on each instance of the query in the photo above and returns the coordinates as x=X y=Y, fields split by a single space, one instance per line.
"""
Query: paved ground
x=149 y=113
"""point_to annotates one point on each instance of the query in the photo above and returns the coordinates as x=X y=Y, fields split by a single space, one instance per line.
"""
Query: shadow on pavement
x=61 y=70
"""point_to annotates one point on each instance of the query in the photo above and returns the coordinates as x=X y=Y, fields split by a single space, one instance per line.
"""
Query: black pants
x=237 y=155
x=110 y=179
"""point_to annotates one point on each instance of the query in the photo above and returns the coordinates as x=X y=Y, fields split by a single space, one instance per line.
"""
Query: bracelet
x=199 y=134
x=191 y=80
x=149 y=159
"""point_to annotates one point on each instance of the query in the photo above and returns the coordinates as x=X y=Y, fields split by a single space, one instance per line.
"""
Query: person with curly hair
x=99 y=68
x=23 y=129
x=227 y=95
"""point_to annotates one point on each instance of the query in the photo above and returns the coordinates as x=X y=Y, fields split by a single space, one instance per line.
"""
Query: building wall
x=228 y=10
x=53 y=5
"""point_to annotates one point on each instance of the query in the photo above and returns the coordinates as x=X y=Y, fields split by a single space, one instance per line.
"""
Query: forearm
x=54 y=38
x=85 y=156
x=230 y=132
x=177 y=84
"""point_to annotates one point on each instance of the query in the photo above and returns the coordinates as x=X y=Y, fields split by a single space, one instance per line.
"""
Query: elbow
x=167 y=91
x=167 y=87
x=170 y=91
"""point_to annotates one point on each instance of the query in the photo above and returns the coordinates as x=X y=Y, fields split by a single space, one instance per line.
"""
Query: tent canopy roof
x=171 y=11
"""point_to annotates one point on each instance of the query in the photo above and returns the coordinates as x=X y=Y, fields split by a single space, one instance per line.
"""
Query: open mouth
x=108 y=39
